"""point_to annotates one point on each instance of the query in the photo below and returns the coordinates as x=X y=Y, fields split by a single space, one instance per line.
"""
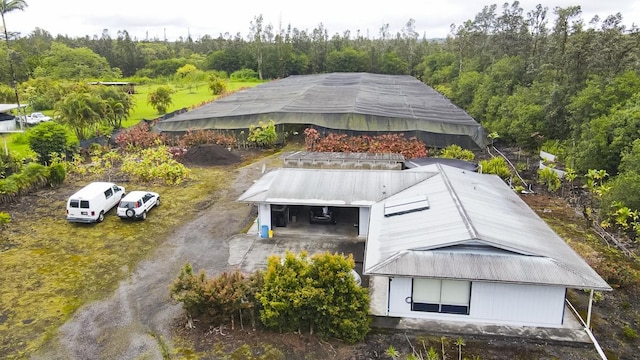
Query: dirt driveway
x=135 y=322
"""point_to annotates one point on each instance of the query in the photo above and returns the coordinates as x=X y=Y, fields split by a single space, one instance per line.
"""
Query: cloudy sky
x=155 y=18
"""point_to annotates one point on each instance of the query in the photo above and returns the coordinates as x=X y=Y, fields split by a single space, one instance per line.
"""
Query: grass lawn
x=49 y=267
x=184 y=97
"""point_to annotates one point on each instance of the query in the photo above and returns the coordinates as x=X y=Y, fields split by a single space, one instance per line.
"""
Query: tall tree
x=7 y=7
x=255 y=36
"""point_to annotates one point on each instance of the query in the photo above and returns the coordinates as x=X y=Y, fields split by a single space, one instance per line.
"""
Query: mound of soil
x=210 y=155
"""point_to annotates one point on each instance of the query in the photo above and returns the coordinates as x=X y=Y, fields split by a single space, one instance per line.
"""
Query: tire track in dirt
x=137 y=318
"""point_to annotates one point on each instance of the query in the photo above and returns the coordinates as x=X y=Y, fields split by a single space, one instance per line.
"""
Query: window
x=108 y=193
x=441 y=296
x=84 y=204
x=74 y=203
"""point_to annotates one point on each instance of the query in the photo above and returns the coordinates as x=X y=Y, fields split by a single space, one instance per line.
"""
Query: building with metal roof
x=342 y=160
x=444 y=243
x=356 y=103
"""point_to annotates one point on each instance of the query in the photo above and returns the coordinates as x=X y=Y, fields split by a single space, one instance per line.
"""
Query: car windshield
x=128 y=204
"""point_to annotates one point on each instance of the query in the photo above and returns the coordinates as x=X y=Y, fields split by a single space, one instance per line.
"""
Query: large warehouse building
x=355 y=103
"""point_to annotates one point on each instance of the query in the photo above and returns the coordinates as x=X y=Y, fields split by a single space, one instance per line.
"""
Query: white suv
x=136 y=204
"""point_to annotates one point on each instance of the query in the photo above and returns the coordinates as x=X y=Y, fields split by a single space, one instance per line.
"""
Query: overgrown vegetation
x=296 y=292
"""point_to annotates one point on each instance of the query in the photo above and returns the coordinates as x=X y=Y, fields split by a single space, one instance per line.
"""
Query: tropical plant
x=154 y=164
x=118 y=105
x=456 y=152
x=263 y=135
x=550 y=179
x=160 y=98
x=81 y=111
x=497 y=166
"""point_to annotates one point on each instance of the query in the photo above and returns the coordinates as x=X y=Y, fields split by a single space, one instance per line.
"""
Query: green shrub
x=217 y=85
x=629 y=333
x=497 y=166
x=46 y=138
x=244 y=75
x=263 y=134
x=219 y=74
x=217 y=300
x=624 y=189
x=21 y=139
x=8 y=189
x=155 y=164
x=318 y=293
x=457 y=152
x=57 y=174
x=5 y=218
x=550 y=179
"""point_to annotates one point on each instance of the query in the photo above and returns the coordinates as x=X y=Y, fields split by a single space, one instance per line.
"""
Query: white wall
x=540 y=305
x=364 y=214
x=510 y=304
x=264 y=216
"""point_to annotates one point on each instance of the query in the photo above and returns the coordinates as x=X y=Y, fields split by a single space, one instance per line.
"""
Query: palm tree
x=81 y=112
x=6 y=7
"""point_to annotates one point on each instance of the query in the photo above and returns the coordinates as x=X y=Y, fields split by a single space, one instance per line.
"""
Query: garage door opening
x=302 y=219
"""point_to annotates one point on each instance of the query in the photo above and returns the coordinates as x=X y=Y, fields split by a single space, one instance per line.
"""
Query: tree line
x=536 y=78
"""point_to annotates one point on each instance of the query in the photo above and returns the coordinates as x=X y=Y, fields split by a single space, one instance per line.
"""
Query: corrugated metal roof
x=295 y=186
x=470 y=208
x=342 y=156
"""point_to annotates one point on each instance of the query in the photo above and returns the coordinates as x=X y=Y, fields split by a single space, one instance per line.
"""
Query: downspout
x=589 y=310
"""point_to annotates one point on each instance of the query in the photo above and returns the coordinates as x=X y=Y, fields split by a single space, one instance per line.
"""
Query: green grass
x=49 y=267
x=183 y=98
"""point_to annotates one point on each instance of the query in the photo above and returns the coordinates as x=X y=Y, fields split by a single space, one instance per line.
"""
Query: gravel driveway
x=136 y=320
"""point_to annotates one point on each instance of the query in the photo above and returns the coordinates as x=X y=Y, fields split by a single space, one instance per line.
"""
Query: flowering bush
x=388 y=143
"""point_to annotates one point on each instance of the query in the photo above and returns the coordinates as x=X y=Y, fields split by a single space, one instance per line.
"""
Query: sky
x=160 y=18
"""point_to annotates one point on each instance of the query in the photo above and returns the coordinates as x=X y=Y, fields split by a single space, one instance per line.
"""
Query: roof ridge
x=473 y=233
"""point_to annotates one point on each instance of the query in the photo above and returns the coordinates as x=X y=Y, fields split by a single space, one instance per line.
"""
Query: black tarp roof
x=357 y=102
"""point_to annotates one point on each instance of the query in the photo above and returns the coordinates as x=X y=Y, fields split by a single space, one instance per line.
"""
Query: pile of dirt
x=210 y=155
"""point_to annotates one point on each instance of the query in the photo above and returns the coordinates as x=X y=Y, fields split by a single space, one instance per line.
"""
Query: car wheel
x=144 y=215
x=130 y=213
x=100 y=217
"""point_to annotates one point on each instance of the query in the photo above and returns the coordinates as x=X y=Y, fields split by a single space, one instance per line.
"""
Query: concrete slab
x=571 y=332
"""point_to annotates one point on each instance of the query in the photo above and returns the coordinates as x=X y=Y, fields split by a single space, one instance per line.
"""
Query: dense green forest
x=535 y=77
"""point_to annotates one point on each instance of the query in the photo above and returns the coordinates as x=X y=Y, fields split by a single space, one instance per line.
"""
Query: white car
x=37 y=118
x=137 y=203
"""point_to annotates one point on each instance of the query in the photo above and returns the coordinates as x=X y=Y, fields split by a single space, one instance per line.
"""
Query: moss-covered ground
x=49 y=267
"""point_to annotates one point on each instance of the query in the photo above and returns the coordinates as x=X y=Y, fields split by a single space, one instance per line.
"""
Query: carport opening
x=315 y=219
